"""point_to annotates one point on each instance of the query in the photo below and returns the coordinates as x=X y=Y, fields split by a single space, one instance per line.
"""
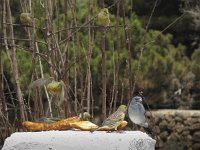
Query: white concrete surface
x=79 y=140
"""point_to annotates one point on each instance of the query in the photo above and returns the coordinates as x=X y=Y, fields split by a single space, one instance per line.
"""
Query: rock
x=163 y=125
x=191 y=121
x=156 y=130
x=189 y=137
x=189 y=140
x=164 y=135
x=173 y=145
x=196 y=137
x=168 y=118
x=185 y=128
x=178 y=114
x=173 y=137
x=172 y=125
x=179 y=127
x=195 y=115
x=189 y=148
x=79 y=140
x=196 y=146
x=185 y=133
x=178 y=119
x=157 y=119
x=194 y=127
x=161 y=143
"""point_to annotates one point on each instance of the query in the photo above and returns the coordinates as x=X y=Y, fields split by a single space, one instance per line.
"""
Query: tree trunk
x=14 y=67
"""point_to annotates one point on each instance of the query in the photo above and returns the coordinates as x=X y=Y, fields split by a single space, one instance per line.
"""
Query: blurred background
x=150 y=48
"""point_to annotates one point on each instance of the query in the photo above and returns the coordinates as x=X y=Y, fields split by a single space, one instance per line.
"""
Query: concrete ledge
x=79 y=140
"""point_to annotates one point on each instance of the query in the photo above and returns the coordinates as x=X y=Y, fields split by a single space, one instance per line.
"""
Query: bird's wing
x=141 y=108
x=115 y=117
x=40 y=82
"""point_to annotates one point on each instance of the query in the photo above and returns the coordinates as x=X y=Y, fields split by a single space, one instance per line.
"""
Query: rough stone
x=173 y=146
x=185 y=128
x=164 y=135
x=195 y=115
x=157 y=119
x=163 y=125
x=179 y=127
x=189 y=140
x=59 y=140
x=196 y=146
x=196 y=137
x=178 y=119
x=185 y=133
x=171 y=125
x=195 y=127
x=161 y=143
x=182 y=126
x=156 y=130
x=191 y=121
x=177 y=114
x=173 y=137
x=168 y=118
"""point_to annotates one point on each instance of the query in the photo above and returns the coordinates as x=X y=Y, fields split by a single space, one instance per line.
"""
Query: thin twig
x=142 y=48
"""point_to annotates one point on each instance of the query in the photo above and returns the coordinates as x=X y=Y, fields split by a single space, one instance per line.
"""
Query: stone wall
x=177 y=129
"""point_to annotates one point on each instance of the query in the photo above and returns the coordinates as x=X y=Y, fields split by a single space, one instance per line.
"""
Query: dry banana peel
x=63 y=124
x=66 y=124
x=84 y=125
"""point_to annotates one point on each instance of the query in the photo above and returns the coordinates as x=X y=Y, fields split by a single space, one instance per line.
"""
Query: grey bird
x=136 y=112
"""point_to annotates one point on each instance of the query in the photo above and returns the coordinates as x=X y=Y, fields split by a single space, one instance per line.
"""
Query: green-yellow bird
x=86 y=116
x=25 y=19
x=54 y=87
x=103 y=17
x=114 y=120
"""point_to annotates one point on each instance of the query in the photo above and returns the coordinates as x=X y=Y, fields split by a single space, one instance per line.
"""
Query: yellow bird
x=86 y=116
x=54 y=87
x=114 y=120
x=103 y=17
x=25 y=19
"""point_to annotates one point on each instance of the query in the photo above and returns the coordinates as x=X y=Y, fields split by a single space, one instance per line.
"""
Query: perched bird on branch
x=103 y=17
x=114 y=120
x=25 y=19
x=137 y=112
